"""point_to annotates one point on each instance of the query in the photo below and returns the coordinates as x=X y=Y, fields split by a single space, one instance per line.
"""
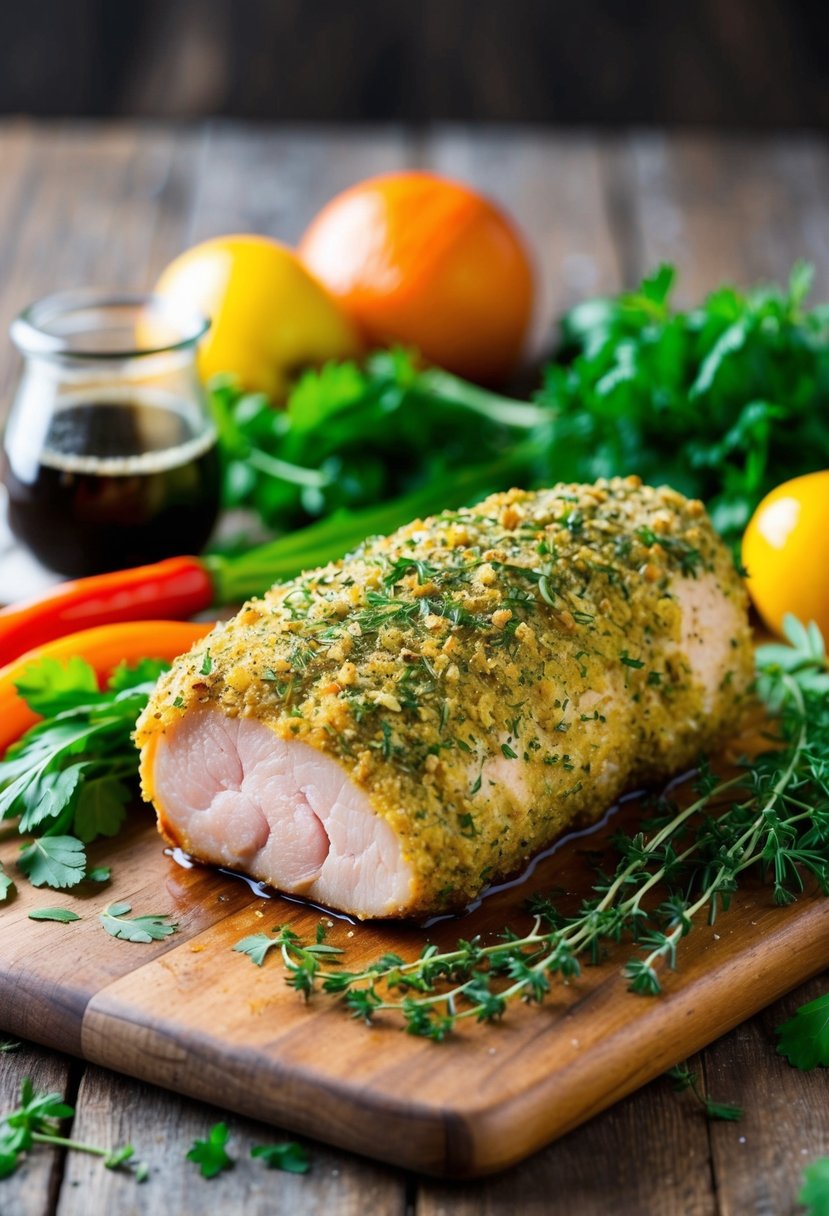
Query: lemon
x=786 y=552
x=270 y=318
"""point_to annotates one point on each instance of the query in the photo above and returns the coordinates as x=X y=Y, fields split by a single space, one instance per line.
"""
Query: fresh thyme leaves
x=685 y=1079
x=211 y=1155
x=7 y=1045
x=151 y=928
x=814 y=1194
x=804 y=1039
x=37 y=1120
x=770 y=819
x=67 y=780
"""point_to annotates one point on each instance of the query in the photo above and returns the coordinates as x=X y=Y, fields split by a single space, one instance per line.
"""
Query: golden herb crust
x=488 y=676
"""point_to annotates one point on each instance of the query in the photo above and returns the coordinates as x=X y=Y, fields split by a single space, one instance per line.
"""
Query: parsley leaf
x=6 y=884
x=37 y=1120
x=814 y=1194
x=256 y=946
x=49 y=687
x=101 y=808
x=804 y=1039
x=54 y=861
x=142 y=929
x=288 y=1156
x=210 y=1155
x=63 y=779
x=64 y=915
x=52 y=793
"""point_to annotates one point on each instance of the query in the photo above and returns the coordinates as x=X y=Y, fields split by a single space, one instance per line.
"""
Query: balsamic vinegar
x=116 y=483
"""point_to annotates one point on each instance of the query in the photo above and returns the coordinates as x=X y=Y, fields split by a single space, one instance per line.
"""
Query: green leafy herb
x=37 y=1120
x=207 y=664
x=7 y=1045
x=804 y=1039
x=722 y=402
x=210 y=1155
x=153 y=928
x=814 y=1194
x=101 y=808
x=68 y=779
x=288 y=1156
x=685 y=1079
x=256 y=947
x=6 y=884
x=770 y=819
x=54 y=861
x=64 y=915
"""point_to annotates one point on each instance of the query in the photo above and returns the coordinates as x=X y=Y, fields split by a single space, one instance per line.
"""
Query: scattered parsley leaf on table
x=684 y=1078
x=6 y=884
x=64 y=915
x=804 y=1039
x=54 y=861
x=37 y=1120
x=814 y=1194
x=256 y=947
x=210 y=1155
x=288 y=1156
x=150 y=928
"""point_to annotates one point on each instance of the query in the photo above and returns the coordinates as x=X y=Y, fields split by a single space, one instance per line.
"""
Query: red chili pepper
x=176 y=589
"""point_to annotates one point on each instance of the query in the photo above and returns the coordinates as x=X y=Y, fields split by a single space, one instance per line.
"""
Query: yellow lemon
x=270 y=318
x=786 y=552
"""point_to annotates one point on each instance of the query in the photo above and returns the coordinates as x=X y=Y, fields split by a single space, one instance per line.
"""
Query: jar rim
x=30 y=330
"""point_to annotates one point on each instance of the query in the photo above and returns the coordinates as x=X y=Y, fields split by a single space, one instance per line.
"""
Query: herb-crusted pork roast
x=388 y=734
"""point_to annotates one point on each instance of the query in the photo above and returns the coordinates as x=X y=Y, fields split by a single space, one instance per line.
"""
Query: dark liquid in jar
x=116 y=484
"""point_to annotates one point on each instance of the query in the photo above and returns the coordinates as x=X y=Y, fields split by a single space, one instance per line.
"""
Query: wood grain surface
x=86 y=203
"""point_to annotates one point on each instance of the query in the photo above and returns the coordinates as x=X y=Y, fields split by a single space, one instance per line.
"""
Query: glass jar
x=110 y=451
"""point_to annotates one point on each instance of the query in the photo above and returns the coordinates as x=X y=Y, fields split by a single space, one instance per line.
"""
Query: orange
x=270 y=317
x=786 y=552
x=427 y=262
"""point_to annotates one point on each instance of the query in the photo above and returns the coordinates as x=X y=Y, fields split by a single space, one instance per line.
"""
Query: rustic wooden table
x=110 y=205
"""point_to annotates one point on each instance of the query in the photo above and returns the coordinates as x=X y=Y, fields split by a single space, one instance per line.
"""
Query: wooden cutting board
x=191 y=1015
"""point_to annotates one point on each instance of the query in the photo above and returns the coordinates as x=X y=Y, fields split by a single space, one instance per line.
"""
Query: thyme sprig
x=770 y=819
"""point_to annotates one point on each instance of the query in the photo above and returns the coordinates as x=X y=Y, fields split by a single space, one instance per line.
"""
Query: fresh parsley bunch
x=722 y=402
x=69 y=778
x=352 y=436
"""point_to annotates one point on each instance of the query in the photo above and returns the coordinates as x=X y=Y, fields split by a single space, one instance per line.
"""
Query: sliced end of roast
x=231 y=792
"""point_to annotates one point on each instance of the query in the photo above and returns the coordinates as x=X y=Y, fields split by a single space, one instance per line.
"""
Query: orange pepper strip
x=103 y=648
